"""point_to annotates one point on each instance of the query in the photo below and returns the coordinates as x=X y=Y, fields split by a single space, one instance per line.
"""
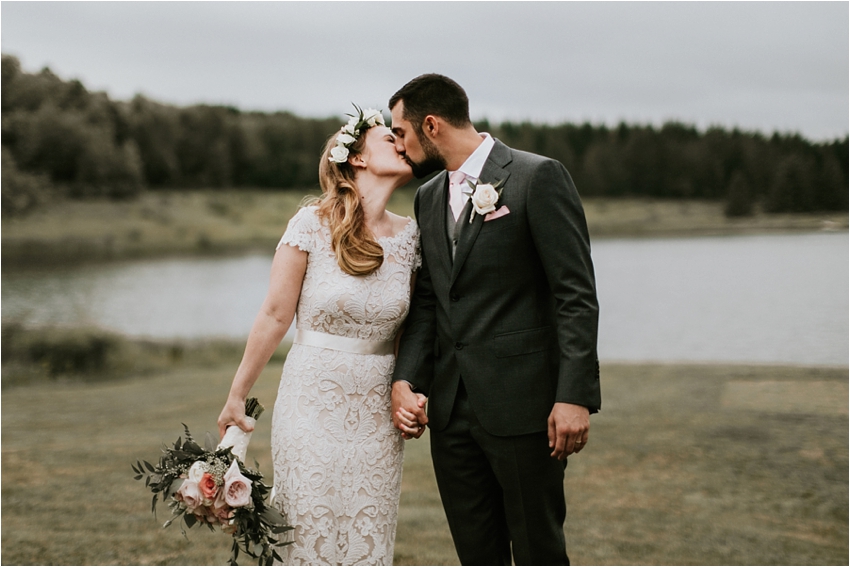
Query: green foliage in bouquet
x=211 y=486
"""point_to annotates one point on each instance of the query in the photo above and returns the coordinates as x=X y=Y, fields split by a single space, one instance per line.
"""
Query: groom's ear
x=431 y=126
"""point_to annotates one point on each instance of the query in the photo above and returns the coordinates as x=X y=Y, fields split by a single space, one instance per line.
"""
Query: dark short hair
x=433 y=94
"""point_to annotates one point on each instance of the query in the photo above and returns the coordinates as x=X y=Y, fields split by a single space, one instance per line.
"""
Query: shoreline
x=87 y=355
x=171 y=224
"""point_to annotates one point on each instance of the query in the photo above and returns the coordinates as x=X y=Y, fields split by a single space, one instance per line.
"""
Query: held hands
x=233 y=414
x=569 y=426
x=408 y=411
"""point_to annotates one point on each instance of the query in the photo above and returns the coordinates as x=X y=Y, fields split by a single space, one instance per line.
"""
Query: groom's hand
x=408 y=409
x=569 y=426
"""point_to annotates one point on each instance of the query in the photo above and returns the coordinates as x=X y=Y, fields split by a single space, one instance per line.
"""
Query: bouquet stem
x=237 y=439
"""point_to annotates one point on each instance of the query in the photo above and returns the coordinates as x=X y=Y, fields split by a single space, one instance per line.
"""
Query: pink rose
x=224 y=514
x=208 y=487
x=237 y=488
x=222 y=511
x=190 y=494
x=204 y=515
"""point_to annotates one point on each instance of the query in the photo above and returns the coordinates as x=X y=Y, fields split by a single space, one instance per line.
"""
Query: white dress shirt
x=475 y=162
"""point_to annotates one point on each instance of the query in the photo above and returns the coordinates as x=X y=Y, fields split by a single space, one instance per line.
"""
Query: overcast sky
x=759 y=66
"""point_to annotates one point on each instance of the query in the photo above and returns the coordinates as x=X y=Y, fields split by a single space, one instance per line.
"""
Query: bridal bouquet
x=213 y=487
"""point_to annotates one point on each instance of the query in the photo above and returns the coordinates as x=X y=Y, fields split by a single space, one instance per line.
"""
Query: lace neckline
x=407 y=228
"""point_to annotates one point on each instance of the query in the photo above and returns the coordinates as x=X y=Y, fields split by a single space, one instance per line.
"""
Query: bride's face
x=381 y=157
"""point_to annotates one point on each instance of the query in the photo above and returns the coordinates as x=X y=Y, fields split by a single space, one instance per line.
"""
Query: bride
x=345 y=265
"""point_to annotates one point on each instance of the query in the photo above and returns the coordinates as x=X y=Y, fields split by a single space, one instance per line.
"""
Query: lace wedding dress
x=337 y=457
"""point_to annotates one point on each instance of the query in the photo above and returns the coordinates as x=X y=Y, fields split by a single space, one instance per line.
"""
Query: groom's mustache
x=424 y=168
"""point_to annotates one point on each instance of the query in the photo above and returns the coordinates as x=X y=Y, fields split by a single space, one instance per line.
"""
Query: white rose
x=348 y=129
x=339 y=154
x=196 y=472
x=484 y=199
x=345 y=139
x=373 y=117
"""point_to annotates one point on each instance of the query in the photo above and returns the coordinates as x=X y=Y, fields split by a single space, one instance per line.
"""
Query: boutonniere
x=484 y=197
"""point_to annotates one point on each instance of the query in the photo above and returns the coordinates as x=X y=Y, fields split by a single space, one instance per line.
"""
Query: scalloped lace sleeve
x=302 y=230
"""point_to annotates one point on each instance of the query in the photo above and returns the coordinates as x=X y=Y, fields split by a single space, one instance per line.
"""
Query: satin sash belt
x=345 y=344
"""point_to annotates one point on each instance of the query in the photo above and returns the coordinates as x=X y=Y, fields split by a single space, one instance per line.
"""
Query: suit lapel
x=492 y=172
x=436 y=217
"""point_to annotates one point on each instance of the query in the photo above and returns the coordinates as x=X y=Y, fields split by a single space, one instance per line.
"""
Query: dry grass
x=230 y=221
x=672 y=475
x=654 y=217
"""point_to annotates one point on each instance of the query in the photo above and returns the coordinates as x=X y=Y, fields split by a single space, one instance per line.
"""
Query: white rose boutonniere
x=484 y=197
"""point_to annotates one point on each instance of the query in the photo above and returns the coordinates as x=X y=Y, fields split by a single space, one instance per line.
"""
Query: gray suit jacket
x=515 y=314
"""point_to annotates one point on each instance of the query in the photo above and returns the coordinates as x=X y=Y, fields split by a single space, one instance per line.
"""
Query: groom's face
x=423 y=156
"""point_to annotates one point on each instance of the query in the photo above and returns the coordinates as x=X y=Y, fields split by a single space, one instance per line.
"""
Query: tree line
x=58 y=138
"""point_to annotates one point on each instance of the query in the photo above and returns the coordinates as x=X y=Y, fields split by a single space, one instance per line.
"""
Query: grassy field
x=686 y=464
x=221 y=222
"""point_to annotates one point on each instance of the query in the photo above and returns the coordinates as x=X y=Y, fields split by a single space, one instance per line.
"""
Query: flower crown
x=349 y=133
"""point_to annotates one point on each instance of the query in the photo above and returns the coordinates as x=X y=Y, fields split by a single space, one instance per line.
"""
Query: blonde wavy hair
x=357 y=252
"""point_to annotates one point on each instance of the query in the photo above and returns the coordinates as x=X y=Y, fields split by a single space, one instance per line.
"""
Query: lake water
x=765 y=299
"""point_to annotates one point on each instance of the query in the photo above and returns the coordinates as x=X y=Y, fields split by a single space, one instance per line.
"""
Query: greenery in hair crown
x=348 y=134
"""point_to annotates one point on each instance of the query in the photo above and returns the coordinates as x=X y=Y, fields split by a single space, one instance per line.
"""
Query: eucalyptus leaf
x=278 y=529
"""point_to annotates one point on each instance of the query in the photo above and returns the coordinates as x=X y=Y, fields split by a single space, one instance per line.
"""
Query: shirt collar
x=475 y=162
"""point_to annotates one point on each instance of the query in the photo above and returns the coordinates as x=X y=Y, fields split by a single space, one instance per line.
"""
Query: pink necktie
x=457 y=199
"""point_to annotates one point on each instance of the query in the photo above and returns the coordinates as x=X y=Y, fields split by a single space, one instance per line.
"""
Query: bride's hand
x=408 y=425
x=233 y=414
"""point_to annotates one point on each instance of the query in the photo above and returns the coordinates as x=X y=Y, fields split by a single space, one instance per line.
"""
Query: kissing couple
x=477 y=320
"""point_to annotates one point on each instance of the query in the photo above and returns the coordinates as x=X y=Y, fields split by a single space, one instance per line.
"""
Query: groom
x=501 y=335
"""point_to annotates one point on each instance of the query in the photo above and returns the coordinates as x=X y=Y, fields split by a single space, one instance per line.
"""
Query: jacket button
x=458 y=346
x=454 y=297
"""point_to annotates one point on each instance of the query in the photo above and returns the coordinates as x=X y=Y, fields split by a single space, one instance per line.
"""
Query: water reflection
x=776 y=298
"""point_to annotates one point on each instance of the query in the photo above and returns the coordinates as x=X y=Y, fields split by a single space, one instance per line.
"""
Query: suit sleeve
x=415 y=361
x=559 y=230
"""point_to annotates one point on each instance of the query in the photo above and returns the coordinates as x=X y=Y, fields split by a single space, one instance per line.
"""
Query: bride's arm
x=271 y=324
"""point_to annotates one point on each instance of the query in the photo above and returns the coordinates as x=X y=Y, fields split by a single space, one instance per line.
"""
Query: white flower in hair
x=373 y=117
x=339 y=154
x=352 y=130
x=345 y=139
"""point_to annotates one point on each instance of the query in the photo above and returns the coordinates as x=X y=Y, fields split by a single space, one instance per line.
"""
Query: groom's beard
x=433 y=161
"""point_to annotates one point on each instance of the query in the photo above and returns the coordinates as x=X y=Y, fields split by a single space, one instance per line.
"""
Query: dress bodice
x=368 y=307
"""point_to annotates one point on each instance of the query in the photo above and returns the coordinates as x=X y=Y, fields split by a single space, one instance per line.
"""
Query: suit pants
x=500 y=494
